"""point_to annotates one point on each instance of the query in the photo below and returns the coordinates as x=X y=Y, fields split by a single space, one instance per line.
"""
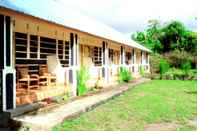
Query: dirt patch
x=162 y=127
x=192 y=123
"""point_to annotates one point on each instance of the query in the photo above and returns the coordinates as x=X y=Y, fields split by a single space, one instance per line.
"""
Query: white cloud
x=131 y=15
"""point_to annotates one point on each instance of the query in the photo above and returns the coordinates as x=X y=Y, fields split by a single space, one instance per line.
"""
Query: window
x=111 y=56
x=47 y=47
x=128 y=58
x=21 y=45
x=63 y=52
x=97 y=56
x=33 y=46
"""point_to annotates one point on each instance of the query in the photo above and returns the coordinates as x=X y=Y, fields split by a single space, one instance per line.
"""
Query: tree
x=167 y=37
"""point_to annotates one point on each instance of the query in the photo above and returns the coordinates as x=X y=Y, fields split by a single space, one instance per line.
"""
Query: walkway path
x=45 y=121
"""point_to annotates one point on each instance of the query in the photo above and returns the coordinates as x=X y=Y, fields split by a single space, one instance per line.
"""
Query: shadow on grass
x=191 y=92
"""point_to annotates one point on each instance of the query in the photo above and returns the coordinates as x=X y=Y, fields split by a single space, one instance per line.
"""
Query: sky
x=128 y=16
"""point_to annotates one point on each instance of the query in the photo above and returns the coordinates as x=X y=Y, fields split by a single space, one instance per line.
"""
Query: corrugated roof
x=61 y=14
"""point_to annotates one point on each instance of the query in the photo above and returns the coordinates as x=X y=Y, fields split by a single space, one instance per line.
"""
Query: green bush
x=176 y=58
x=82 y=77
x=178 y=74
x=193 y=74
x=154 y=62
x=163 y=68
x=142 y=72
x=186 y=66
x=124 y=75
x=174 y=74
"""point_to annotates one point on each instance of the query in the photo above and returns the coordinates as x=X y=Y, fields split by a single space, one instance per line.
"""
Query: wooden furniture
x=46 y=78
x=25 y=80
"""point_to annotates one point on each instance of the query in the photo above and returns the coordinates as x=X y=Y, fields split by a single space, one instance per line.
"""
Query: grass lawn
x=155 y=102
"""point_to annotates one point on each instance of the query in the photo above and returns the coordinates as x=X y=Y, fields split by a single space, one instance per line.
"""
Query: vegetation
x=186 y=66
x=167 y=37
x=163 y=67
x=82 y=77
x=124 y=75
x=142 y=72
x=171 y=42
x=150 y=103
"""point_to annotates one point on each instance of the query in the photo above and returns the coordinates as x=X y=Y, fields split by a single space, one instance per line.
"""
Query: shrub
x=142 y=71
x=174 y=74
x=163 y=68
x=177 y=58
x=154 y=62
x=186 y=66
x=82 y=77
x=178 y=74
x=124 y=75
x=193 y=74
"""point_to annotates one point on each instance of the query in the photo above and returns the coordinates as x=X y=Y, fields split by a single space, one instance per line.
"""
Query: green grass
x=155 y=102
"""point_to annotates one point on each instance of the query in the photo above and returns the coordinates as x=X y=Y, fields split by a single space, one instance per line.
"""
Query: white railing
x=95 y=72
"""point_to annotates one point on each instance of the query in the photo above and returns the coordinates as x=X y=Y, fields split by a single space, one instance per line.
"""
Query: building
x=42 y=45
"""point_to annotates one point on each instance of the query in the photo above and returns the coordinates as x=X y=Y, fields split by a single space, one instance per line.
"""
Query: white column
x=105 y=61
x=8 y=73
x=38 y=52
x=74 y=66
x=135 y=64
x=122 y=56
x=28 y=45
x=148 y=62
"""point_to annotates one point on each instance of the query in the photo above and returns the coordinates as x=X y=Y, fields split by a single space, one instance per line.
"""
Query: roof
x=55 y=12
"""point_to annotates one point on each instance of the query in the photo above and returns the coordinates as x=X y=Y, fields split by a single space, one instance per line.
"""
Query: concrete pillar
x=134 y=60
x=122 y=55
x=148 y=62
x=105 y=63
x=7 y=70
x=73 y=62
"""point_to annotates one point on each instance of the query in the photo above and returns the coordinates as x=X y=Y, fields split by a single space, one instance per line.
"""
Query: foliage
x=155 y=59
x=99 y=84
x=26 y=128
x=174 y=74
x=163 y=67
x=159 y=101
x=142 y=73
x=178 y=74
x=167 y=37
x=82 y=77
x=124 y=75
x=186 y=66
x=66 y=96
x=176 y=58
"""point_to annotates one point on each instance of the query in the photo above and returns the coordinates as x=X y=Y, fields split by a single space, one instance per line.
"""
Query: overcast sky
x=132 y=15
